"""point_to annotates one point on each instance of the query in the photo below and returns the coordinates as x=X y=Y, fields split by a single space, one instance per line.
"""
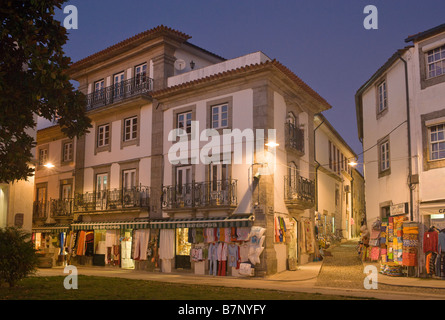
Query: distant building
x=334 y=180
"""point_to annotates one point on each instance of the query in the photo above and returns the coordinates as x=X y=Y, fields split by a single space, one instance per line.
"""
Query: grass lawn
x=103 y=288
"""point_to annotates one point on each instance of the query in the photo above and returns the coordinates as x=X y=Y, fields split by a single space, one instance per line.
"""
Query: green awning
x=209 y=222
x=51 y=228
x=110 y=225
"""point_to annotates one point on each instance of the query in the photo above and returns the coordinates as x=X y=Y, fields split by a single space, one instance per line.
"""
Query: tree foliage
x=18 y=257
x=33 y=81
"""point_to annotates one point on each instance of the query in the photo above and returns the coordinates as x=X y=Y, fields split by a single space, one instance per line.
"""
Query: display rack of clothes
x=434 y=250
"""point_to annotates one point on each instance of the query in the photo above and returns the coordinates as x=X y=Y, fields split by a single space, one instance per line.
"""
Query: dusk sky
x=324 y=42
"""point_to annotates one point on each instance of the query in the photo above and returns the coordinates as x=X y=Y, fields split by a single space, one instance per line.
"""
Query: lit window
x=220 y=116
x=437 y=142
x=130 y=128
x=436 y=62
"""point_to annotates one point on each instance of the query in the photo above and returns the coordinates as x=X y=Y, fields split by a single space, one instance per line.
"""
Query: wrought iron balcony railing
x=299 y=188
x=119 y=92
x=138 y=197
x=40 y=210
x=61 y=207
x=294 y=137
x=200 y=194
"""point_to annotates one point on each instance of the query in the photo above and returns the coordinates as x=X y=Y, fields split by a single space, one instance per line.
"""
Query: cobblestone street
x=342 y=268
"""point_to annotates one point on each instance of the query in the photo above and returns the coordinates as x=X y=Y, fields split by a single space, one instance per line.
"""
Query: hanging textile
x=141 y=240
x=309 y=236
x=167 y=244
x=410 y=244
x=81 y=243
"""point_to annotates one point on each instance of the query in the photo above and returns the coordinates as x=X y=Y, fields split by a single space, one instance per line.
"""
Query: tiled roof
x=425 y=34
x=248 y=68
x=140 y=36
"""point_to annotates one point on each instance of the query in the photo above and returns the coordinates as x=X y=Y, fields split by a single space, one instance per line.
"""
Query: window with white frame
x=220 y=116
x=437 y=142
x=184 y=121
x=68 y=151
x=140 y=73
x=103 y=135
x=43 y=156
x=130 y=128
x=436 y=62
x=382 y=96
x=384 y=156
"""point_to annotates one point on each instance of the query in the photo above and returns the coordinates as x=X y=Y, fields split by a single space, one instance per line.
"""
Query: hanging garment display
x=308 y=236
x=213 y=258
x=167 y=244
x=410 y=244
x=81 y=243
x=233 y=255
x=222 y=258
x=140 y=244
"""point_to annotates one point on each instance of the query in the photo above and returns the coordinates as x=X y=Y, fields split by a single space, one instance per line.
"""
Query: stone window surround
x=128 y=165
x=178 y=111
x=379 y=144
x=213 y=103
x=107 y=147
x=424 y=118
x=62 y=162
x=63 y=182
x=101 y=170
x=424 y=47
x=137 y=140
x=42 y=185
x=42 y=147
x=379 y=113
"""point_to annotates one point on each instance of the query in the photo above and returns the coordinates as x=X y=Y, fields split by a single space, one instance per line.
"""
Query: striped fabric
x=51 y=228
x=210 y=222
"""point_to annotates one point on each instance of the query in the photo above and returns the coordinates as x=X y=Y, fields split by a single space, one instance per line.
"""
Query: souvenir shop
x=394 y=243
x=51 y=245
x=433 y=244
x=218 y=246
x=286 y=244
x=113 y=244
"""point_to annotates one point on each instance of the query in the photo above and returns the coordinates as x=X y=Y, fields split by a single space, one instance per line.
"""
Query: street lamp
x=49 y=165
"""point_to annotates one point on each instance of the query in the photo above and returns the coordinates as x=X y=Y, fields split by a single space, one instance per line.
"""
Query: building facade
x=176 y=161
x=334 y=208
x=400 y=117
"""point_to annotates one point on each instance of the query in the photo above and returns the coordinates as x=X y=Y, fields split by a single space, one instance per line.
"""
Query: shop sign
x=197 y=225
x=398 y=209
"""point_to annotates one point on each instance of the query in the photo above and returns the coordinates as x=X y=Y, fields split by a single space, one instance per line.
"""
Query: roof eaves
x=425 y=34
x=151 y=32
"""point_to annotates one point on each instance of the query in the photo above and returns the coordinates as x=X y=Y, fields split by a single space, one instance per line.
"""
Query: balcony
x=195 y=195
x=126 y=89
x=299 y=192
x=137 y=198
x=40 y=211
x=61 y=208
x=294 y=138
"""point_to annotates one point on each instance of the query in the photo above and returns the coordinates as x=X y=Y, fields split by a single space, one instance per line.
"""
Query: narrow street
x=342 y=268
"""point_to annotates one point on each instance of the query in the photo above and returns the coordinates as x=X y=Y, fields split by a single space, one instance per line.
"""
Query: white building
x=401 y=121
x=138 y=92
x=334 y=181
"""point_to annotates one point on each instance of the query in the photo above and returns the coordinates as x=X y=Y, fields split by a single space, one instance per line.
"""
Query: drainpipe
x=316 y=168
x=409 y=139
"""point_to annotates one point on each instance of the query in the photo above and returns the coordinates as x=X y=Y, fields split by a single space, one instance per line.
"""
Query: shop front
x=432 y=263
x=50 y=241
x=109 y=244
x=212 y=245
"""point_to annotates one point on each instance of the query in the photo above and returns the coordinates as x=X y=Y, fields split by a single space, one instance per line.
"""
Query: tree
x=33 y=81
x=18 y=257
